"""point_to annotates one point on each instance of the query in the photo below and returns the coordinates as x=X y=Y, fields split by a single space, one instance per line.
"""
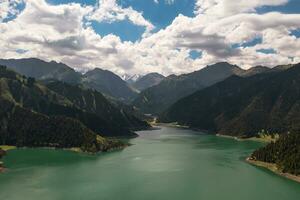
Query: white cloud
x=8 y=8
x=223 y=8
x=60 y=33
x=110 y=11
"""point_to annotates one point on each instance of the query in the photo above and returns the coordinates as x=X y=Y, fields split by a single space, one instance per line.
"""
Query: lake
x=163 y=164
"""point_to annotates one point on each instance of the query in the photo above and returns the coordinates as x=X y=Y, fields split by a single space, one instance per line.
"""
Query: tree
x=30 y=81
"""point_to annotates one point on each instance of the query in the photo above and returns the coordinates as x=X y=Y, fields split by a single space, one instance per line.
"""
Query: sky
x=143 y=36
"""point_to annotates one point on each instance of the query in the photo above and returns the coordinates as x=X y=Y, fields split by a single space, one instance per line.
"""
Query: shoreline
x=173 y=125
x=266 y=139
x=273 y=168
x=2 y=169
x=256 y=139
x=2 y=153
x=269 y=166
x=72 y=149
x=7 y=147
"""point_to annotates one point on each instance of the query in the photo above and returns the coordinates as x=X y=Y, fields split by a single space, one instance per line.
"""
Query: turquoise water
x=164 y=164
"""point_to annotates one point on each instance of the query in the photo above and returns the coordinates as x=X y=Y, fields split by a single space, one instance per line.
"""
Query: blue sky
x=161 y=14
x=142 y=36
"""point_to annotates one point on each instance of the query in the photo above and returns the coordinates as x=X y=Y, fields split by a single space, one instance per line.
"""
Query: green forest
x=285 y=153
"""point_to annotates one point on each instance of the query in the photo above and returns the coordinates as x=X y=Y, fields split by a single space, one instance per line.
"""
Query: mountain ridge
x=243 y=105
x=24 y=122
x=147 y=81
x=42 y=70
x=159 y=97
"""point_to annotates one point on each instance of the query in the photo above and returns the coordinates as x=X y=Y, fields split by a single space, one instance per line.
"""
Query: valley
x=54 y=112
x=149 y=100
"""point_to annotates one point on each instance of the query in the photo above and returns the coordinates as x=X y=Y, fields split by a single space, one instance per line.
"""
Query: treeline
x=285 y=153
x=31 y=129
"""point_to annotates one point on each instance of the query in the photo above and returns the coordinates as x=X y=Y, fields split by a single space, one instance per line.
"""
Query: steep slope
x=39 y=69
x=33 y=95
x=158 y=98
x=108 y=83
x=94 y=102
x=20 y=125
x=244 y=106
x=147 y=81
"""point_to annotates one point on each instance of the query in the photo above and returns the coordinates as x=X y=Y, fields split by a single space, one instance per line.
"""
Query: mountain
x=159 y=97
x=118 y=120
x=85 y=105
x=282 y=67
x=130 y=79
x=255 y=70
x=22 y=123
x=108 y=83
x=39 y=69
x=147 y=81
x=284 y=153
x=243 y=106
x=103 y=81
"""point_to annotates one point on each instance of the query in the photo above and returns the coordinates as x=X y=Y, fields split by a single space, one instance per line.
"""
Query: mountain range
x=156 y=99
x=50 y=104
x=131 y=78
x=39 y=69
x=59 y=114
x=147 y=81
x=103 y=81
x=108 y=83
x=243 y=106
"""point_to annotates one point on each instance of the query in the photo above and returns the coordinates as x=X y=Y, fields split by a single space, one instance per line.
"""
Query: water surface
x=165 y=164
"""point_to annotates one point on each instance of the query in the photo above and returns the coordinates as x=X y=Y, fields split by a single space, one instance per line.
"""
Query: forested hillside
x=156 y=99
x=59 y=115
x=94 y=102
x=285 y=153
x=243 y=106
x=22 y=125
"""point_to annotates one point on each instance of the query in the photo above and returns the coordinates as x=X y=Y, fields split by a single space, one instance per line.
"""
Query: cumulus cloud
x=62 y=33
x=223 y=8
x=8 y=8
x=110 y=11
